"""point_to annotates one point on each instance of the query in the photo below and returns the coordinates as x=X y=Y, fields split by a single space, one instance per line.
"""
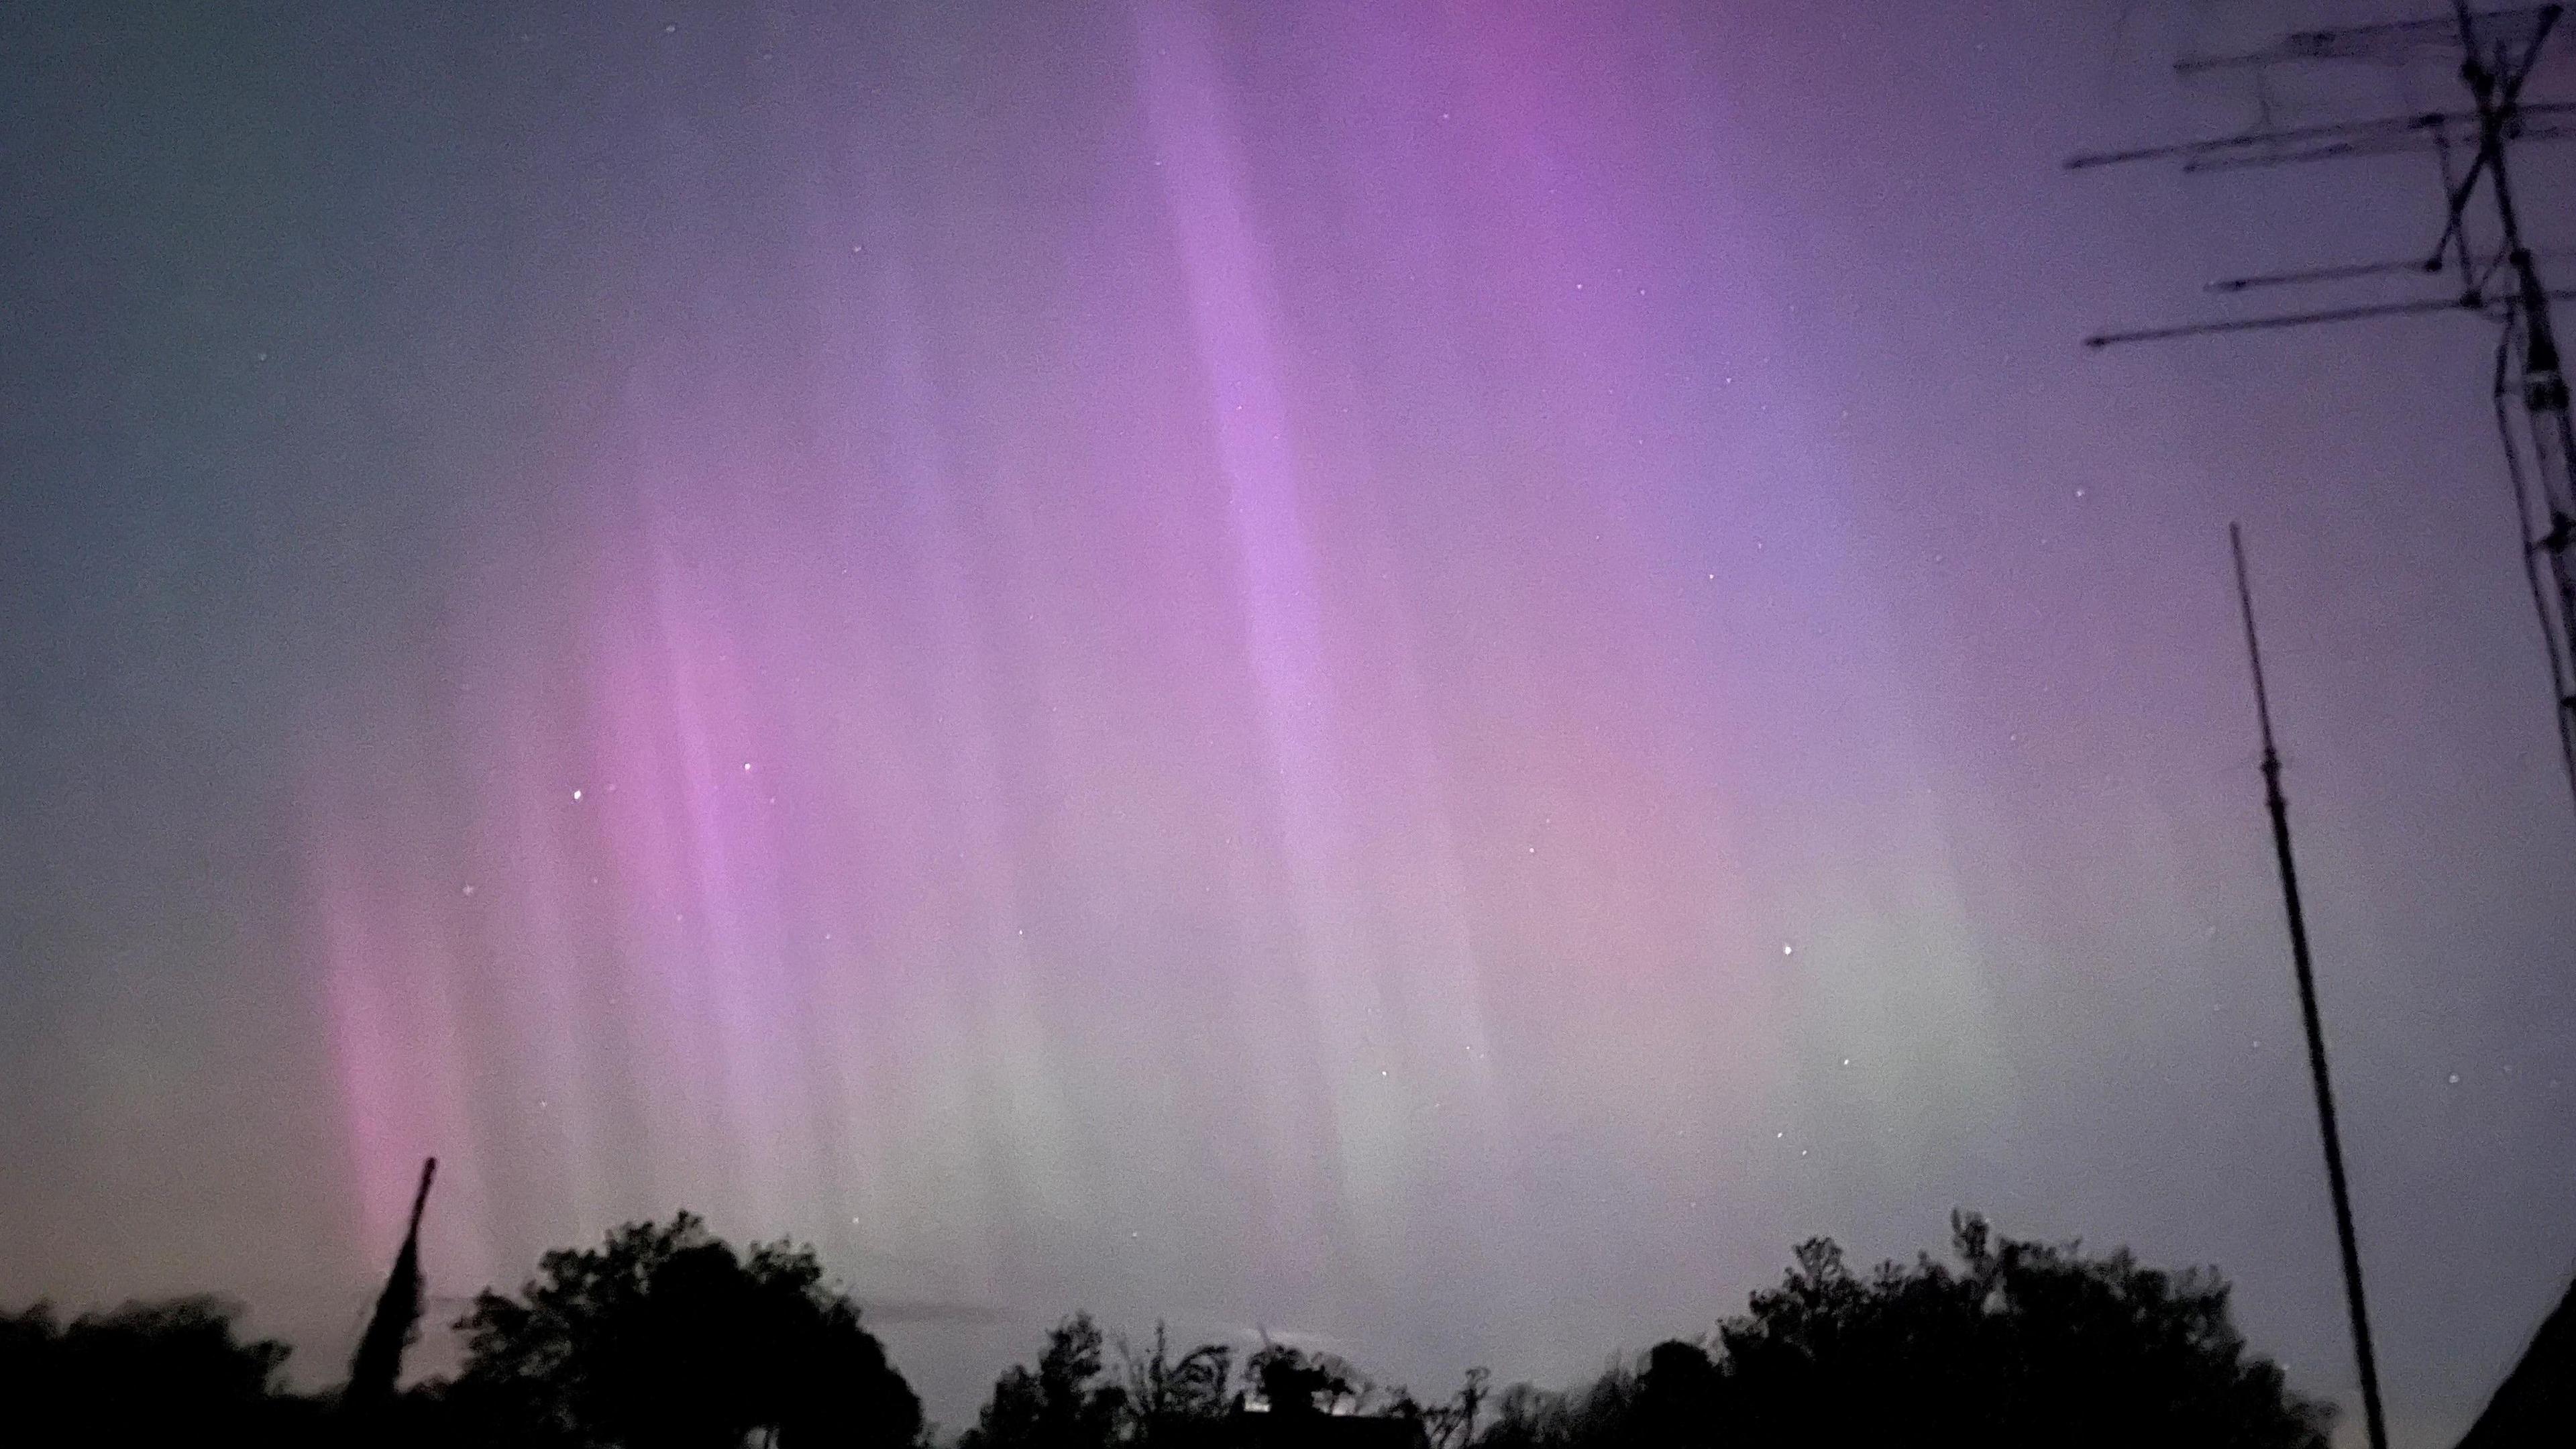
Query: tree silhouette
x=1193 y=1400
x=2022 y=1343
x=1293 y=1381
x=145 y=1374
x=1068 y=1403
x=1674 y=1393
x=664 y=1338
x=1450 y=1424
x=1177 y=1403
x=1599 y=1414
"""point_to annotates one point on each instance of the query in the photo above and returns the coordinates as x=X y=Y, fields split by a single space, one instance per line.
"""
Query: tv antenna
x=2491 y=269
x=2278 y=805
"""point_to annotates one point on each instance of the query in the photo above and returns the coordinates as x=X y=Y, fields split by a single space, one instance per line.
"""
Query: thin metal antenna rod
x=2279 y=806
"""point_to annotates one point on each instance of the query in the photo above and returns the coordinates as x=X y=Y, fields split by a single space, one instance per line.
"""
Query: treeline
x=666 y=1337
x=662 y=1337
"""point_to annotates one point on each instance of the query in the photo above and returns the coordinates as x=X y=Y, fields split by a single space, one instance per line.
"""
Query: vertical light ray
x=392 y=978
x=552 y=1028
x=993 y=1039
x=1231 y=309
x=1237 y=580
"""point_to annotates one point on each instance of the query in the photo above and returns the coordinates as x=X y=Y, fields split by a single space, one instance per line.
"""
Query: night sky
x=1427 y=675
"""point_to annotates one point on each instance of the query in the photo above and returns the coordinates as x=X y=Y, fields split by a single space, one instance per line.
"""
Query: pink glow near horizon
x=1425 y=674
x=1205 y=729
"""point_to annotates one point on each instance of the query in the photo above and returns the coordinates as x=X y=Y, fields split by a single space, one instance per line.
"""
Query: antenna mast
x=376 y=1368
x=2493 y=271
x=2279 y=806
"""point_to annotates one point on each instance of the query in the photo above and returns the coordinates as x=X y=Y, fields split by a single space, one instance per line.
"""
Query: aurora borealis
x=1425 y=674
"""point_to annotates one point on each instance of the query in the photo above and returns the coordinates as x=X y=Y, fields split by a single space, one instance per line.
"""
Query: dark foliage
x=1178 y=1403
x=1286 y=1398
x=1598 y=1415
x=145 y=1374
x=664 y=1338
x=1069 y=1402
x=1451 y=1423
x=1293 y=1381
x=2020 y=1344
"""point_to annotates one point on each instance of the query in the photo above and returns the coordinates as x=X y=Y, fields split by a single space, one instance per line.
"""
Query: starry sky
x=1426 y=674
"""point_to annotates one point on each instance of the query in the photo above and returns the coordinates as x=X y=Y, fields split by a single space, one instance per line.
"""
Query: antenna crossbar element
x=2395 y=42
x=2366 y=312
x=2306 y=276
x=2291 y=145
x=2492 y=266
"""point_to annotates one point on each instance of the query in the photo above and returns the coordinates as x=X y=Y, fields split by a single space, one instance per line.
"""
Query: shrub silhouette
x=664 y=1338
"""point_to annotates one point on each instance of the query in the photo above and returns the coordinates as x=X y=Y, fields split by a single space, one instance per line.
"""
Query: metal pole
x=2279 y=806
x=2497 y=89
